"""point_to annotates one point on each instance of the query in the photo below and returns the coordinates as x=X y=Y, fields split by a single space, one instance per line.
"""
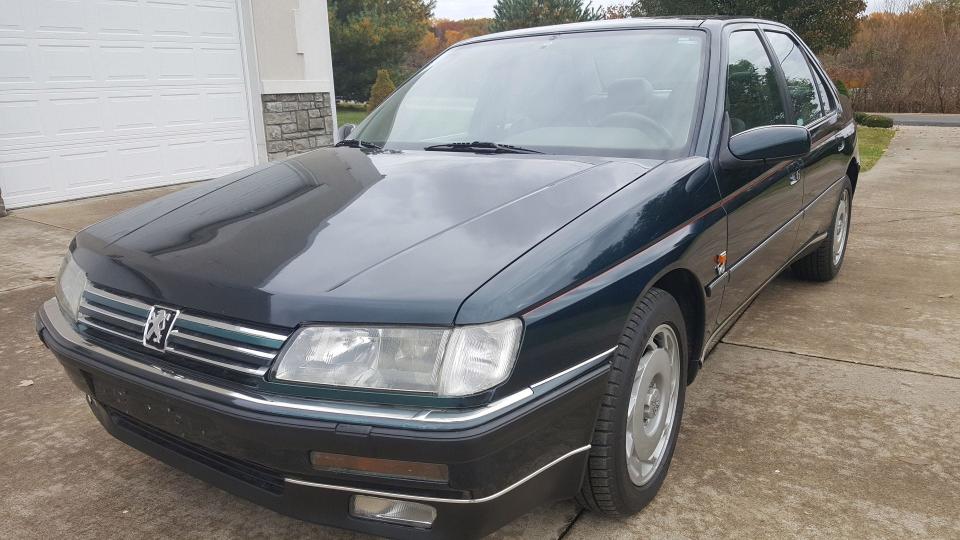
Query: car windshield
x=627 y=93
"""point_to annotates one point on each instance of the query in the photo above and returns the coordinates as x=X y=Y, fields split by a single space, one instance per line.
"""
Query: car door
x=762 y=199
x=815 y=107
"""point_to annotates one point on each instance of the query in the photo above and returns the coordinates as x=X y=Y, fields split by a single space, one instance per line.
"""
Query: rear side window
x=800 y=83
x=753 y=93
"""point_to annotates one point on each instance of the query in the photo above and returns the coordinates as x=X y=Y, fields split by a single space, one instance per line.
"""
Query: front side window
x=803 y=93
x=753 y=93
x=630 y=93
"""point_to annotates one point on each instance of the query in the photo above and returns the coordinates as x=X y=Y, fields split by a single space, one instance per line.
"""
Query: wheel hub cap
x=840 y=229
x=653 y=404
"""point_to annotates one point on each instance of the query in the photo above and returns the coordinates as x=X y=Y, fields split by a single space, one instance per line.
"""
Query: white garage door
x=100 y=96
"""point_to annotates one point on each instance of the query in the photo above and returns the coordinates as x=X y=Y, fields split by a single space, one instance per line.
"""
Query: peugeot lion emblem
x=158 y=326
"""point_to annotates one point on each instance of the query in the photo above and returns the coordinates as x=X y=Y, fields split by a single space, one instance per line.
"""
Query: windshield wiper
x=357 y=143
x=481 y=148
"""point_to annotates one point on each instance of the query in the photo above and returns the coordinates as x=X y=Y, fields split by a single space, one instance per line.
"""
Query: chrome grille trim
x=224 y=346
x=209 y=342
x=119 y=299
x=234 y=328
x=84 y=305
x=83 y=319
x=252 y=371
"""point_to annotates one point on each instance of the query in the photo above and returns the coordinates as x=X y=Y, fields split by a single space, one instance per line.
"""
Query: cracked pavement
x=829 y=410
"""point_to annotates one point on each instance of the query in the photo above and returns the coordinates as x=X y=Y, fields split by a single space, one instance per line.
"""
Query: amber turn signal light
x=412 y=470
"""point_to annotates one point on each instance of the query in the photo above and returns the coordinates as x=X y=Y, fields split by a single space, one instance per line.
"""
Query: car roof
x=624 y=24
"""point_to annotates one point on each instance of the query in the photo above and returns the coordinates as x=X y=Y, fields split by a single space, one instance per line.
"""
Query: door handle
x=794 y=177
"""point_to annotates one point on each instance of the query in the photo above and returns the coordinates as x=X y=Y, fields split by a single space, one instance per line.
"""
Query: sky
x=471 y=9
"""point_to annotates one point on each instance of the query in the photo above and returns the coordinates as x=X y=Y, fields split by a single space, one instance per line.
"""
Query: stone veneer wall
x=296 y=123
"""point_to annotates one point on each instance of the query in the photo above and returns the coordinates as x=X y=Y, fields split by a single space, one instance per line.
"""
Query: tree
x=367 y=35
x=904 y=61
x=512 y=14
x=381 y=89
x=825 y=25
x=442 y=34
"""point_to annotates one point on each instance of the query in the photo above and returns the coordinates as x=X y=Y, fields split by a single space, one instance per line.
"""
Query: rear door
x=763 y=200
x=814 y=106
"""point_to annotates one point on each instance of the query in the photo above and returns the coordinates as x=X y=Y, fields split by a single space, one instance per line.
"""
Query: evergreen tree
x=367 y=35
x=511 y=14
x=381 y=89
x=825 y=25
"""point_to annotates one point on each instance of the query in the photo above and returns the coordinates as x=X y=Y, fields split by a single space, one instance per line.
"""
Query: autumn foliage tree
x=442 y=34
x=367 y=35
x=904 y=62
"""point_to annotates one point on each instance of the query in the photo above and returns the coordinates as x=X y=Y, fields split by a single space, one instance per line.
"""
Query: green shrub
x=842 y=88
x=381 y=89
x=873 y=120
x=351 y=106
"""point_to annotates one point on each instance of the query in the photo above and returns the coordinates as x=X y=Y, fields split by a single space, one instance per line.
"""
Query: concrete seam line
x=945 y=212
x=47 y=281
x=853 y=362
x=42 y=223
x=566 y=530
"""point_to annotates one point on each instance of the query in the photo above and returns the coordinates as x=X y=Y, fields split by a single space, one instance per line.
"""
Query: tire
x=609 y=486
x=825 y=262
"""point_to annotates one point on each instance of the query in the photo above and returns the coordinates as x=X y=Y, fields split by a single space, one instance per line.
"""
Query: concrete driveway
x=830 y=410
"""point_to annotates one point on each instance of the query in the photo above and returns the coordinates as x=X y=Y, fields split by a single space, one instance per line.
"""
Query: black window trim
x=815 y=70
x=781 y=80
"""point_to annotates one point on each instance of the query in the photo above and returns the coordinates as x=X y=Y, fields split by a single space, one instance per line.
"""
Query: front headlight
x=439 y=361
x=70 y=285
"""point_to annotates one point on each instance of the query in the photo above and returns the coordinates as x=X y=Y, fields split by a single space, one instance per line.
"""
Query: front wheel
x=639 y=419
x=825 y=262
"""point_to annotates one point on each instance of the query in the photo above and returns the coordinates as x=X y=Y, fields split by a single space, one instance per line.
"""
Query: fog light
x=380 y=467
x=393 y=511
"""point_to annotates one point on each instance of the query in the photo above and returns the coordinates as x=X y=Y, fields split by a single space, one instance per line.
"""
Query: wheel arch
x=853 y=172
x=685 y=288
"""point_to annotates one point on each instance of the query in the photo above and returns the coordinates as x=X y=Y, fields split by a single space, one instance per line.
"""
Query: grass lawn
x=873 y=143
x=350 y=117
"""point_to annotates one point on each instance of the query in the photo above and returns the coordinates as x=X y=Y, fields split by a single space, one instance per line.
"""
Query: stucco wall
x=293 y=46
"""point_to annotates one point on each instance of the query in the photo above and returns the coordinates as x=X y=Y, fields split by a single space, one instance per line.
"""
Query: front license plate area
x=158 y=411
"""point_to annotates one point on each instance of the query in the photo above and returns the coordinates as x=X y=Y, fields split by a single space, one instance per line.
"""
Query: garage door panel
x=78 y=114
x=230 y=154
x=12 y=18
x=88 y=169
x=118 y=17
x=132 y=112
x=28 y=176
x=60 y=15
x=99 y=96
x=15 y=59
x=67 y=63
x=128 y=62
x=141 y=161
x=20 y=118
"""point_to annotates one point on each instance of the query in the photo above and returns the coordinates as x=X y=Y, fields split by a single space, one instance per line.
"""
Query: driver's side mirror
x=344 y=132
x=774 y=143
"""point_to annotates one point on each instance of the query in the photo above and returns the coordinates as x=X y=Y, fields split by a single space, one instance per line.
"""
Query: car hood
x=344 y=235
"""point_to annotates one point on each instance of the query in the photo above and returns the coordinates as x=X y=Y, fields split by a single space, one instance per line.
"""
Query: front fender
x=575 y=290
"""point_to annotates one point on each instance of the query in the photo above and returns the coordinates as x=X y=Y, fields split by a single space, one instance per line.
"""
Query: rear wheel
x=824 y=263
x=639 y=419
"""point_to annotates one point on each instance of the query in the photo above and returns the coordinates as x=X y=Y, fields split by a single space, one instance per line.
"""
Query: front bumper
x=503 y=459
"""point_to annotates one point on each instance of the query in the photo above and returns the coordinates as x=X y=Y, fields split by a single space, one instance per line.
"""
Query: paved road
x=830 y=410
x=924 y=119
